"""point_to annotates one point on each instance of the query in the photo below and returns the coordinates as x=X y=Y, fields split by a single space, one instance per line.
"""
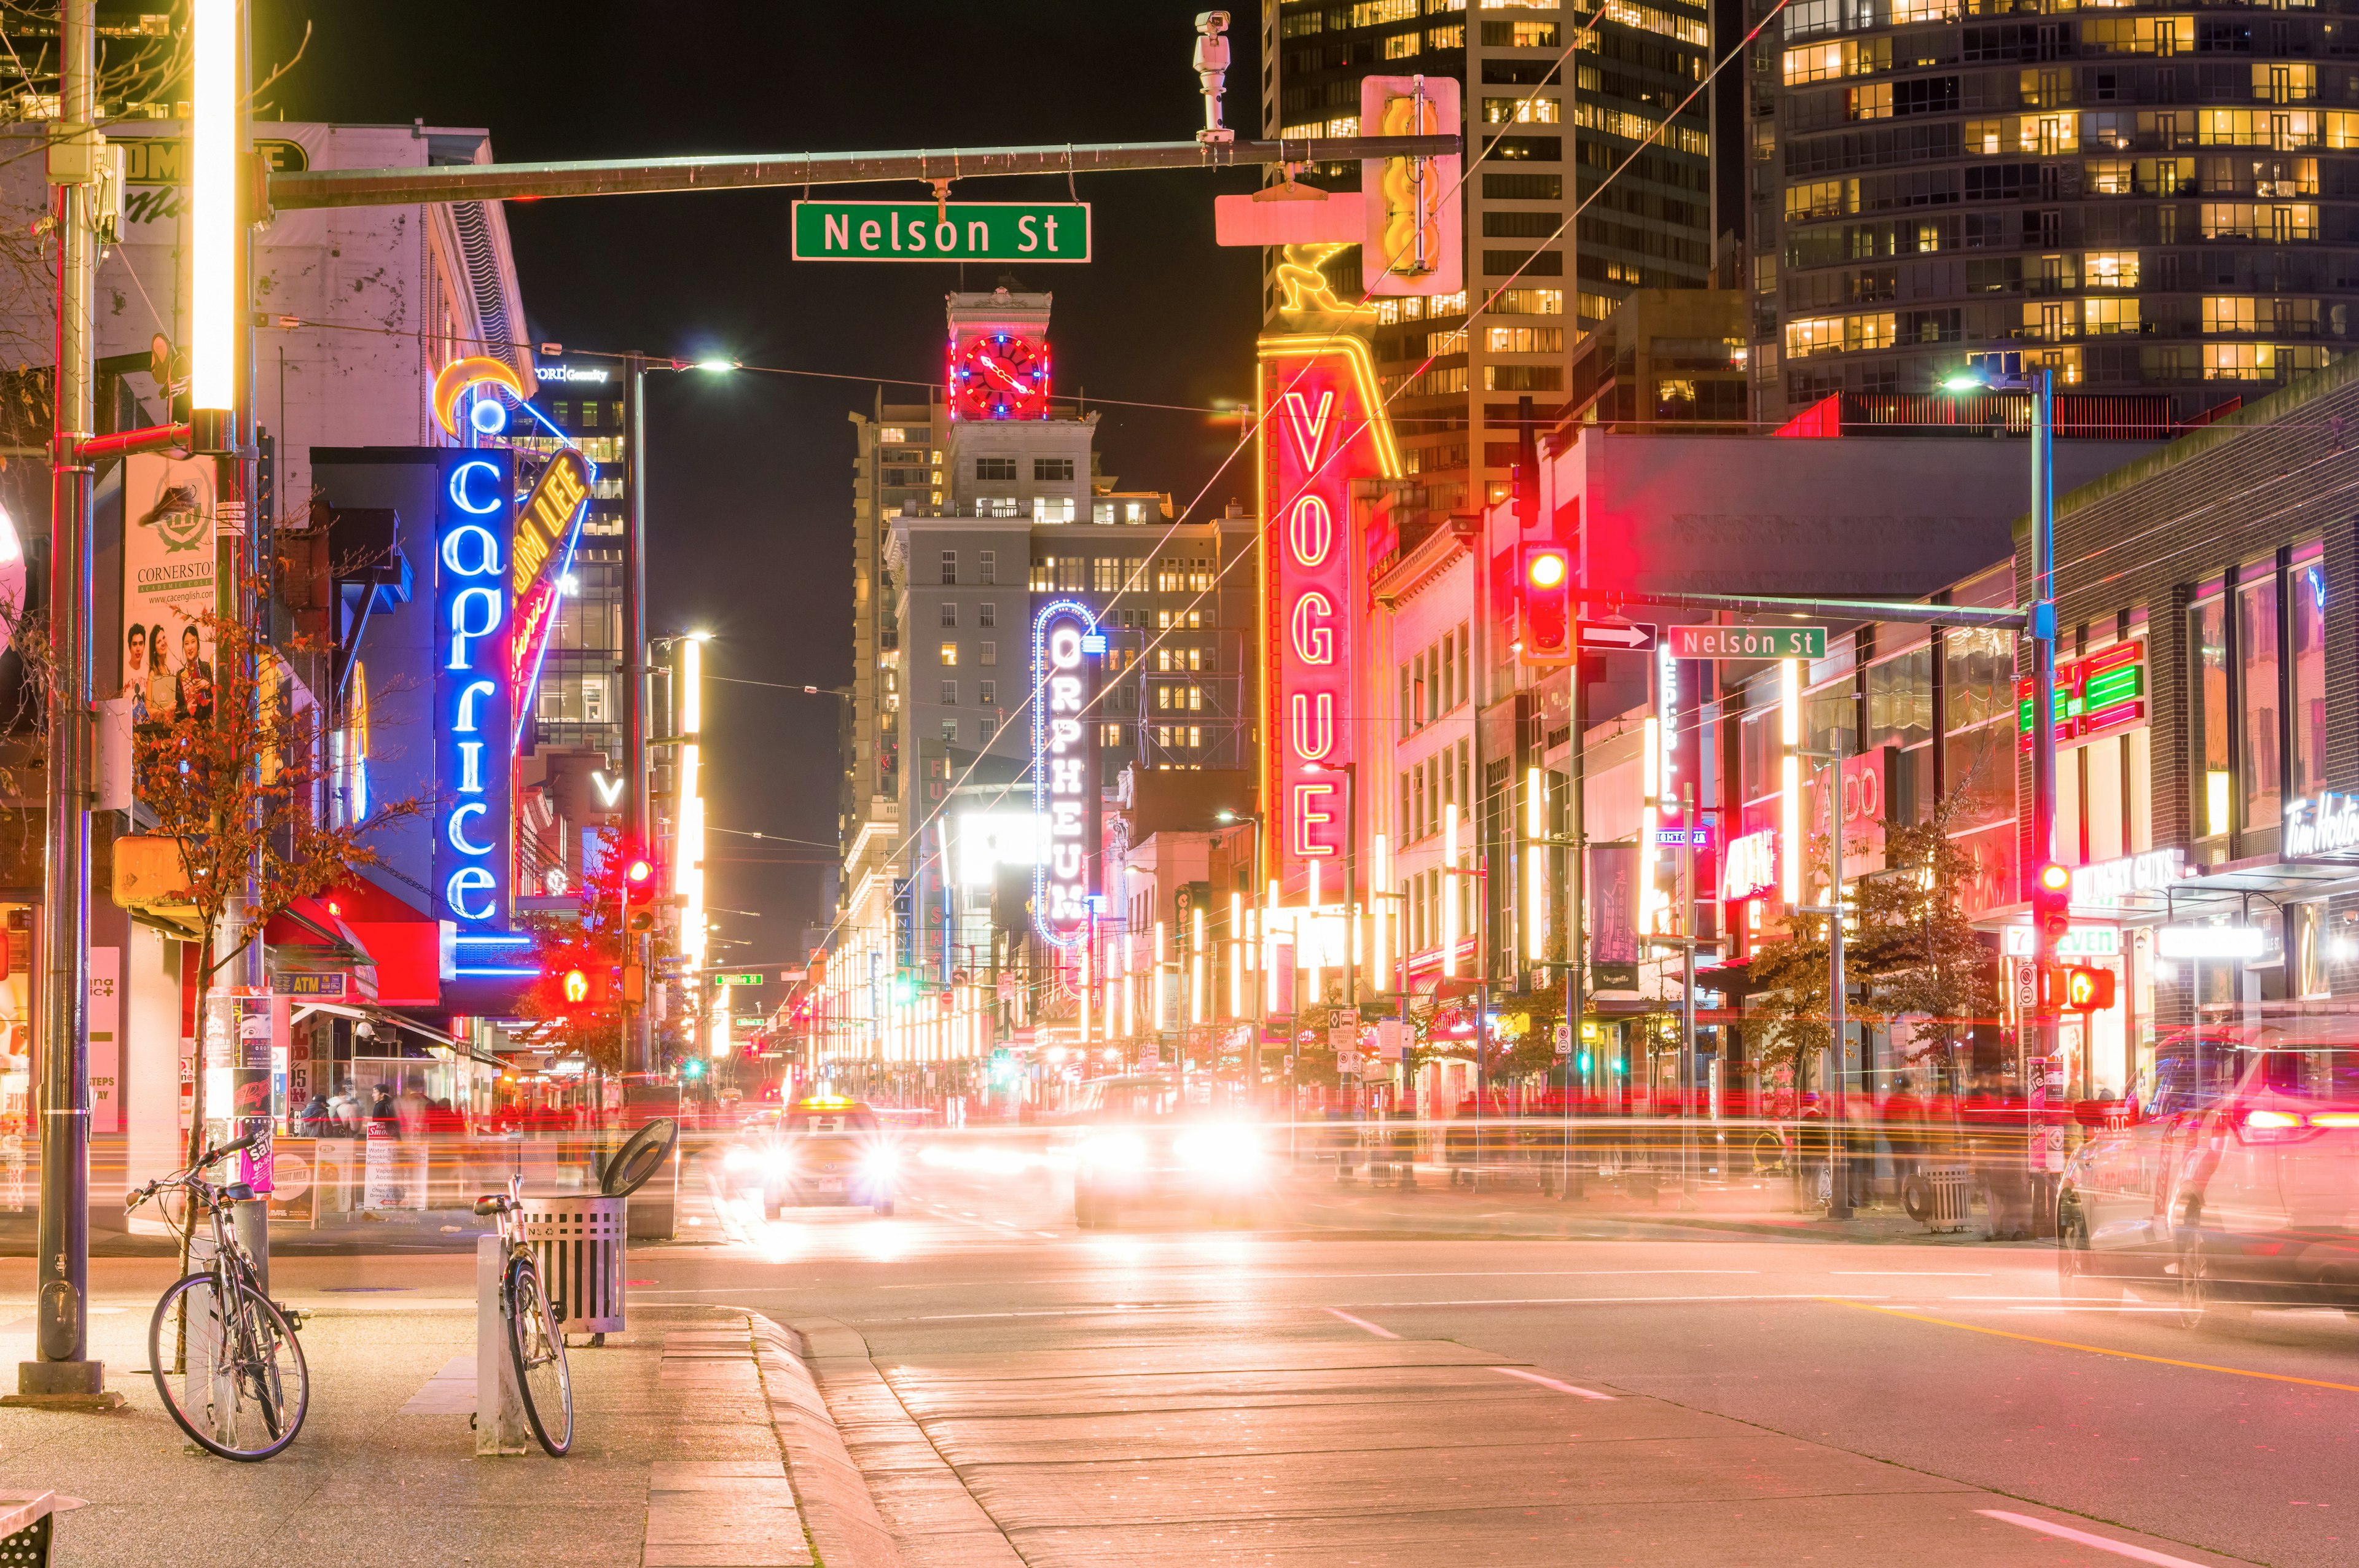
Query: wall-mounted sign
x=1749 y=642
x=990 y=839
x=1750 y=866
x=1064 y=771
x=312 y=986
x=548 y=528
x=2078 y=942
x=959 y=231
x=1322 y=427
x=473 y=738
x=2105 y=883
x=1866 y=783
x=2094 y=696
x=2325 y=824
x=2210 y=941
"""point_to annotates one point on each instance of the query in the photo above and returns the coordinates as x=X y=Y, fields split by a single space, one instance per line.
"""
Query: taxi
x=824 y=1149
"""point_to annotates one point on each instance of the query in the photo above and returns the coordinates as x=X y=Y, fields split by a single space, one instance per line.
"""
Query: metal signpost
x=950 y=231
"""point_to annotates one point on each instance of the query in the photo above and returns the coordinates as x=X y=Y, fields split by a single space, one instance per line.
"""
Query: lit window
x=949 y=654
x=2110 y=269
x=2229 y=313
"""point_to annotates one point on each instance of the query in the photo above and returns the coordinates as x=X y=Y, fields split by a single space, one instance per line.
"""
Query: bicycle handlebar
x=137 y=1195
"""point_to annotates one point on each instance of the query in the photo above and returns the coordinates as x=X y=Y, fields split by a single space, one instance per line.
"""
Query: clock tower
x=998 y=366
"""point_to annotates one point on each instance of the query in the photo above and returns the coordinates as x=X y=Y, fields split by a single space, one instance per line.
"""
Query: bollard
x=500 y=1426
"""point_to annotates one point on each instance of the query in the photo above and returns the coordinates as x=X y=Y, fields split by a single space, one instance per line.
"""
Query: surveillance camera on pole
x=1212 y=69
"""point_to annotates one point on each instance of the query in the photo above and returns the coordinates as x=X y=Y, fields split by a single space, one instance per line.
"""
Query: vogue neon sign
x=1064 y=770
x=1323 y=426
x=473 y=738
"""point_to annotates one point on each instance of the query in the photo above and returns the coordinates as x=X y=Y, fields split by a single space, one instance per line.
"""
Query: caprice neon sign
x=1323 y=426
x=473 y=738
x=1064 y=770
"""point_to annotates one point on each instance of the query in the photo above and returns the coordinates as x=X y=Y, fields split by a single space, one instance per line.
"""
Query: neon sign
x=1323 y=426
x=549 y=526
x=1064 y=771
x=473 y=738
x=2092 y=695
x=460 y=377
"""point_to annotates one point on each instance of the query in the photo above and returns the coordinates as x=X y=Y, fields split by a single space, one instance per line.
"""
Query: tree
x=238 y=781
x=594 y=944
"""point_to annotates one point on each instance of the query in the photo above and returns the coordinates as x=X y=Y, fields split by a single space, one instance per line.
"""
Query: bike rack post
x=500 y=1426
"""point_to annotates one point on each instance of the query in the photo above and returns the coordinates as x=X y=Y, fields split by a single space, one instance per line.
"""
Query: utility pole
x=2043 y=733
x=1838 y=1022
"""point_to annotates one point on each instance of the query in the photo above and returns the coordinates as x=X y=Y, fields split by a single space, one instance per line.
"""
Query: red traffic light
x=577 y=986
x=639 y=871
x=2088 y=989
x=2051 y=905
x=2054 y=878
x=1545 y=624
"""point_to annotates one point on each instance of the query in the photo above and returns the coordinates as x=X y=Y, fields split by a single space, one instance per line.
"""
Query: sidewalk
x=682 y=1429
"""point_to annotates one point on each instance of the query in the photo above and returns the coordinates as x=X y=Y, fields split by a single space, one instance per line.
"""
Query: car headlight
x=880 y=1162
x=1225 y=1151
x=737 y=1158
x=1115 y=1151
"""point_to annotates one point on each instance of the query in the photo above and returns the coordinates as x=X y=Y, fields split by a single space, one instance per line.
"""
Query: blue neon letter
x=465 y=724
x=462 y=630
x=456 y=832
x=468 y=880
x=460 y=488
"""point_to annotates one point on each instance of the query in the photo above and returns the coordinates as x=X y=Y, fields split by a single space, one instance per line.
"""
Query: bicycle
x=242 y=1386
x=536 y=1347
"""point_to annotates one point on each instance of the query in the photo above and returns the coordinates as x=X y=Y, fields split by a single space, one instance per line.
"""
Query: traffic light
x=2051 y=905
x=2088 y=989
x=639 y=872
x=577 y=986
x=1546 y=628
x=692 y=1069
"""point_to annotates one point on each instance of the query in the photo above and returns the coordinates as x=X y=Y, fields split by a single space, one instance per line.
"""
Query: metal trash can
x=1940 y=1199
x=578 y=1242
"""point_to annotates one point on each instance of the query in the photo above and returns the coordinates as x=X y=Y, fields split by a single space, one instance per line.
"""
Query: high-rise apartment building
x=2143 y=196
x=1539 y=139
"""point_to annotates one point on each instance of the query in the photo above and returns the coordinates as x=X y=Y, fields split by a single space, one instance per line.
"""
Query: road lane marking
x=1910 y=1274
x=2102 y=1543
x=2099 y=1349
x=1551 y=1383
x=1378 y=1329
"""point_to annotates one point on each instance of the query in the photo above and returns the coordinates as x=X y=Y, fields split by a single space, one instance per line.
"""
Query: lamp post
x=2040 y=382
x=684 y=676
x=639 y=813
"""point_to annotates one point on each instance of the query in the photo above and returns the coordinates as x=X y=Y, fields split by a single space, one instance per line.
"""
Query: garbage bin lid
x=640 y=1157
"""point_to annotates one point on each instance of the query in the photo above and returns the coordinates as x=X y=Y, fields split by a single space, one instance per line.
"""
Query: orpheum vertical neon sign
x=473 y=738
x=1323 y=426
x=1064 y=769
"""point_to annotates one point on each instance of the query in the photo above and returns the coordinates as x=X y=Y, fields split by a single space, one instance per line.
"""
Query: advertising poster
x=164 y=664
x=1614 y=916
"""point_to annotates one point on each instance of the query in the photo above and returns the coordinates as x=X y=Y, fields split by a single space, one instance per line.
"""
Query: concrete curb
x=935 y=1521
x=846 y=1530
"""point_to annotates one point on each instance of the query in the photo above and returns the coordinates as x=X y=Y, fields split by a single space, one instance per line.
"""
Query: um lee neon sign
x=1322 y=427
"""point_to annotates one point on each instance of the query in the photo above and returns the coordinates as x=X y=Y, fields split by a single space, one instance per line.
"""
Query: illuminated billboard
x=1323 y=426
x=1064 y=770
x=473 y=733
x=990 y=839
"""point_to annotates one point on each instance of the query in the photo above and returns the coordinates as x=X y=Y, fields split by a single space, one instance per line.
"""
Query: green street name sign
x=736 y=979
x=963 y=231
x=1748 y=642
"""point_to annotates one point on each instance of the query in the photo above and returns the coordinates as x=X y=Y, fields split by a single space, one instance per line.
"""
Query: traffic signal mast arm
x=634 y=177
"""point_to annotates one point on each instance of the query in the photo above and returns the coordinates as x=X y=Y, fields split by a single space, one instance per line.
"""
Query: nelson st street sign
x=959 y=231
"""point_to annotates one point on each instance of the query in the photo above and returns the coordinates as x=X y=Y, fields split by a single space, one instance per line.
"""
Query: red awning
x=406 y=944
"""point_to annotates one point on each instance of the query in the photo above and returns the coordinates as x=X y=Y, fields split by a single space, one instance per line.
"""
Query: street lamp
x=2040 y=382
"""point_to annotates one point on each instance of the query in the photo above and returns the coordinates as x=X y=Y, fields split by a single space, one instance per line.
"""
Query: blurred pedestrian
x=315 y=1119
x=411 y=1108
x=384 y=1120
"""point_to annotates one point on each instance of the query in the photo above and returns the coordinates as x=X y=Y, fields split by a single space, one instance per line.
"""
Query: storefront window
x=2308 y=588
x=2257 y=647
x=1978 y=674
x=2207 y=633
x=1900 y=699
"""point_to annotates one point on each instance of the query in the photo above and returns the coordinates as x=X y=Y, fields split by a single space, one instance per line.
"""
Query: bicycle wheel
x=538 y=1351
x=232 y=1376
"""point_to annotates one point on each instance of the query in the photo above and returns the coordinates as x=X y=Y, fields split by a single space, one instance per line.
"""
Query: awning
x=378 y=1015
x=405 y=944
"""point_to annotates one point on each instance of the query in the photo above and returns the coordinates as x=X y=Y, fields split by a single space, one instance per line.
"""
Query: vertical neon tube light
x=1157 y=990
x=1086 y=977
x=1197 y=978
x=1381 y=850
x=1535 y=866
x=1449 y=894
x=212 y=241
x=1269 y=947
x=688 y=873
x=1789 y=802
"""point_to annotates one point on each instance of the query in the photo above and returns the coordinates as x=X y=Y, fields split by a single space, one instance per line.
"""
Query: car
x=1133 y=1146
x=2227 y=1179
x=822 y=1149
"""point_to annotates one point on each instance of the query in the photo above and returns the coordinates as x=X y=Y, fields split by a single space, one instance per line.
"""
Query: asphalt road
x=1957 y=1363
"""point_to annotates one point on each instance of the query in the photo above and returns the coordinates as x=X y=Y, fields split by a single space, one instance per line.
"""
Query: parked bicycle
x=223 y=1355
x=536 y=1347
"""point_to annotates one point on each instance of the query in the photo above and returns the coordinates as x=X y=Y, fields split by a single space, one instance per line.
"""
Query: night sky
x=750 y=477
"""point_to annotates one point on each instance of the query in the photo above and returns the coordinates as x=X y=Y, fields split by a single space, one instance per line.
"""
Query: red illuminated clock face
x=999 y=375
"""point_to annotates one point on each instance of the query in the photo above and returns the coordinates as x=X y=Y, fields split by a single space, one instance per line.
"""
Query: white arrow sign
x=1622 y=638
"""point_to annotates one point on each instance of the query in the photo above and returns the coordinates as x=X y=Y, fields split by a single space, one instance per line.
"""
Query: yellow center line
x=2094 y=1350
